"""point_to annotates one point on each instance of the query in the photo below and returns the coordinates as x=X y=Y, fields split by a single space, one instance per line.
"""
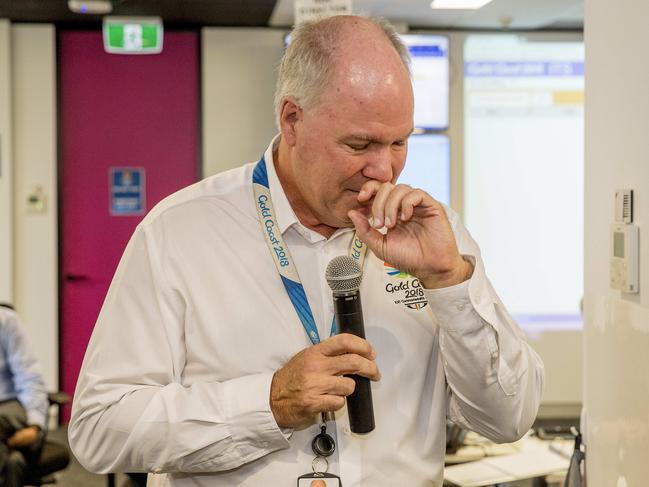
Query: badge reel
x=323 y=446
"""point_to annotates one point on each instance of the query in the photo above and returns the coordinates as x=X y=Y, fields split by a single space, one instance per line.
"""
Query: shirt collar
x=285 y=215
x=283 y=210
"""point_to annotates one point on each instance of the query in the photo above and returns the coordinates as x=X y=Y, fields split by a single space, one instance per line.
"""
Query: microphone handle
x=349 y=318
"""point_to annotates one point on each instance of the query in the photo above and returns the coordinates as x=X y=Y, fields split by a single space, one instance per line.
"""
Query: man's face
x=358 y=132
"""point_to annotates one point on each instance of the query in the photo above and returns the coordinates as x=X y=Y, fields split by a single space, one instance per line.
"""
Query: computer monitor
x=430 y=79
x=428 y=165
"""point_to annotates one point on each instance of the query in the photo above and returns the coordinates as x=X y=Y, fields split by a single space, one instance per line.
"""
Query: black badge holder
x=323 y=446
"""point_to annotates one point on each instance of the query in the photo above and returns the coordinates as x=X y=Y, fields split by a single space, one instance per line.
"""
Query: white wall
x=239 y=73
x=6 y=183
x=35 y=156
x=616 y=365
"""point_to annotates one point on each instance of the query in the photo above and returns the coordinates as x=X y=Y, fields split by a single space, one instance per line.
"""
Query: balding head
x=323 y=51
x=345 y=111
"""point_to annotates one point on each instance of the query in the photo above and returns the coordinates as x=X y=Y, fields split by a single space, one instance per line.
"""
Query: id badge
x=328 y=479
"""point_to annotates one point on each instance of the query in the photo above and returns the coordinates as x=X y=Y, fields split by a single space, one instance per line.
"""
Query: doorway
x=129 y=133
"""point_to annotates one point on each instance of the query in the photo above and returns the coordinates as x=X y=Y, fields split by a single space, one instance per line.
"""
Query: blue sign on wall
x=127 y=195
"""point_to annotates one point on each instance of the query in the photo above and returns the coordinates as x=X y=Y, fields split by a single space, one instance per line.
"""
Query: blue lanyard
x=282 y=257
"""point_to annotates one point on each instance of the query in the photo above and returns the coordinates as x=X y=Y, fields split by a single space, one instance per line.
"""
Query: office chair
x=54 y=456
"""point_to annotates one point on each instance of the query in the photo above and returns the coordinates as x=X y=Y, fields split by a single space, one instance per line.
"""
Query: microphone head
x=343 y=274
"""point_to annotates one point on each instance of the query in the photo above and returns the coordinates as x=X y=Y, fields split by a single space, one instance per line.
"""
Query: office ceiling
x=514 y=14
x=522 y=14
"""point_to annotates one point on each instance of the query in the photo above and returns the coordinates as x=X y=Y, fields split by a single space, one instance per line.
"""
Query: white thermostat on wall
x=624 y=257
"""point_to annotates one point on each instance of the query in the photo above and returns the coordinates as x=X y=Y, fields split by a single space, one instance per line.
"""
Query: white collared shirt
x=177 y=374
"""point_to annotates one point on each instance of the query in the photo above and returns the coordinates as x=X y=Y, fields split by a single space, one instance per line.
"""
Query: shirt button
x=346 y=430
x=264 y=444
x=461 y=306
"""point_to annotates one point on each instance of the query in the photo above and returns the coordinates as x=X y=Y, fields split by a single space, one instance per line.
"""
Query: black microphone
x=344 y=276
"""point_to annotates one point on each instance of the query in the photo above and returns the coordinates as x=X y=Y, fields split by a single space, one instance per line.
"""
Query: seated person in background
x=23 y=401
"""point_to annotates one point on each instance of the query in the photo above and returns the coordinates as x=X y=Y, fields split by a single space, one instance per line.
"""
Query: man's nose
x=379 y=166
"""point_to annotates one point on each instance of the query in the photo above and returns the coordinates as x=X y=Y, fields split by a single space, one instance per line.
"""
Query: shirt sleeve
x=26 y=373
x=495 y=379
x=131 y=411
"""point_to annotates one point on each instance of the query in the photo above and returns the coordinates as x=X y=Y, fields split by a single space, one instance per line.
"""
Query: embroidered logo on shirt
x=394 y=272
x=407 y=291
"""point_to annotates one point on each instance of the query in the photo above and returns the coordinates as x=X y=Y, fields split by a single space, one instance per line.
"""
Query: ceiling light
x=458 y=4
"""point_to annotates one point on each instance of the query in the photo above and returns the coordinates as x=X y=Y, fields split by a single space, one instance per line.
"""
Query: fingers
x=328 y=403
x=393 y=209
x=368 y=190
x=346 y=343
x=339 y=386
x=349 y=354
x=409 y=202
x=379 y=215
x=353 y=364
x=391 y=204
x=312 y=380
x=373 y=238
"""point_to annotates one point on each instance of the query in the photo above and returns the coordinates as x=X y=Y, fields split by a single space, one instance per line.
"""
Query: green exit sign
x=129 y=35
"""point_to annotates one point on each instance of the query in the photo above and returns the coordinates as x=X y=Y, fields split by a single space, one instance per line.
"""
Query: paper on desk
x=534 y=460
x=475 y=474
x=529 y=463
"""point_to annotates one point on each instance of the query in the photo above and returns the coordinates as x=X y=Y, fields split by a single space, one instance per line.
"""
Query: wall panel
x=35 y=155
x=616 y=389
x=239 y=74
x=6 y=184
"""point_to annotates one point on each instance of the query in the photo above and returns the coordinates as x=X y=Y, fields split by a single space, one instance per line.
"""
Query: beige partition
x=616 y=366
x=35 y=176
x=239 y=73
x=6 y=186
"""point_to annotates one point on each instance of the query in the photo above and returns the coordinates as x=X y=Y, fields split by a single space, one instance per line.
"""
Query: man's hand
x=419 y=238
x=311 y=382
x=24 y=437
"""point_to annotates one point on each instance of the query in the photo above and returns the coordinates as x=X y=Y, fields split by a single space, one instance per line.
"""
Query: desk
x=487 y=464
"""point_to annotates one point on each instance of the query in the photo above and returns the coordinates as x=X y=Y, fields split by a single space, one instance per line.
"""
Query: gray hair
x=307 y=65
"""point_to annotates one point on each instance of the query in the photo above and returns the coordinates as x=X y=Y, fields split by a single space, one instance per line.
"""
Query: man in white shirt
x=199 y=368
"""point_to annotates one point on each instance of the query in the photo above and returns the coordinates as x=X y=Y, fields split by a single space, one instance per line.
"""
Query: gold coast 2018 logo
x=407 y=291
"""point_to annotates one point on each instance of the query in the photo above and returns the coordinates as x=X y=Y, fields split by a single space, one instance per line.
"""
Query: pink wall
x=116 y=110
